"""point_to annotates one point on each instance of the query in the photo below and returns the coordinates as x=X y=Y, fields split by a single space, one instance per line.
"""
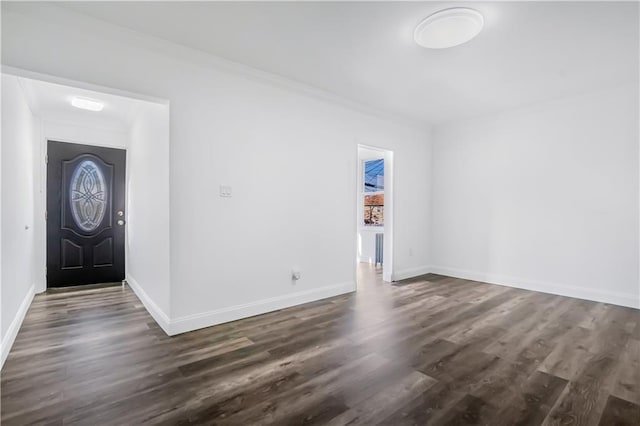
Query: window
x=373 y=193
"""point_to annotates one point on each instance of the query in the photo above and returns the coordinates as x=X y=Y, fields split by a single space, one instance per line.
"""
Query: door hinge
x=46 y=159
x=46 y=214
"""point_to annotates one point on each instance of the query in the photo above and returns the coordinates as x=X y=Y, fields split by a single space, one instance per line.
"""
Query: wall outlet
x=225 y=191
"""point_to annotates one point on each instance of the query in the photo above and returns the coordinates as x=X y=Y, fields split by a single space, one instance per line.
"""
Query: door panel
x=85 y=191
x=103 y=253
x=71 y=255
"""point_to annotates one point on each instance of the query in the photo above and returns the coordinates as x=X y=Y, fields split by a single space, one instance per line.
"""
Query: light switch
x=225 y=191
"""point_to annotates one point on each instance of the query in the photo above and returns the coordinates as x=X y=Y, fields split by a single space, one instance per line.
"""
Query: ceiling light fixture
x=448 y=28
x=86 y=103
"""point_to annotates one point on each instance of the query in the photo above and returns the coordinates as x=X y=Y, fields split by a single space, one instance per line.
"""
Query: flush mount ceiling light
x=448 y=28
x=86 y=103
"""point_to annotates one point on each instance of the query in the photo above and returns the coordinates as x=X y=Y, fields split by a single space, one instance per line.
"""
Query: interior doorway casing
x=387 y=154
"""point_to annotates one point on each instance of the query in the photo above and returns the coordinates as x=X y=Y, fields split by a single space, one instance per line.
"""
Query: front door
x=85 y=214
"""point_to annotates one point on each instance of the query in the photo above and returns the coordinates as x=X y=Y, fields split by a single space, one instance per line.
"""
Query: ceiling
x=364 y=51
x=53 y=102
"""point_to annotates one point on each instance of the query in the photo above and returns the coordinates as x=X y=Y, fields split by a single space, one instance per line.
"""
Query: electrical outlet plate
x=225 y=191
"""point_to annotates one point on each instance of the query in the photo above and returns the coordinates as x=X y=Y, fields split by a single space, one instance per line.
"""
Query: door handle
x=121 y=222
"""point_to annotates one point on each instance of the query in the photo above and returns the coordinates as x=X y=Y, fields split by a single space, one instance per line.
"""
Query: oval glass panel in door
x=88 y=195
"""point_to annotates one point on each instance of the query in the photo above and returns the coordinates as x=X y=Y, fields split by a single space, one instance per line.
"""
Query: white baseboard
x=154 y=310
x=410 y=273
x=232 y=313
x=596 y=295
x=14 y=327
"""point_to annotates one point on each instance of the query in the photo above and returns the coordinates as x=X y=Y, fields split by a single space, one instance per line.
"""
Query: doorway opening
x=108 y=196
x=374 y=217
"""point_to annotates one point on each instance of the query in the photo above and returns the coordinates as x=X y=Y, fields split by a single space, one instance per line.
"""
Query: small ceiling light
x=448 y=28
x=86 y=103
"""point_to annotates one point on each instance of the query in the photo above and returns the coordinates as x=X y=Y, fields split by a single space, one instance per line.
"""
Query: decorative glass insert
x=88 y=195
x=374 y=176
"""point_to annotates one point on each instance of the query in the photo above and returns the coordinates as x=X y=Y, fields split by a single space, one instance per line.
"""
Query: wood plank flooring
x=430 y=350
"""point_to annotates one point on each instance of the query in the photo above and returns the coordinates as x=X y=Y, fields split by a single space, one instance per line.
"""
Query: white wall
x=291 y=163
x=544 y=197
x=18 y=141
x=289 y=156
x=148 y=261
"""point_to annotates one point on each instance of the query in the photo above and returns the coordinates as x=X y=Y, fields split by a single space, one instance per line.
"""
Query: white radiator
x=379 y=248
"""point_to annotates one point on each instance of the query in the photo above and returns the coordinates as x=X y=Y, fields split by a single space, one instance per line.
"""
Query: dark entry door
x=85 y=214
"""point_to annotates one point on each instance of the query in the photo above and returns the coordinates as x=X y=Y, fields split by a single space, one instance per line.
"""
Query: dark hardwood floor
x=431 y=350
